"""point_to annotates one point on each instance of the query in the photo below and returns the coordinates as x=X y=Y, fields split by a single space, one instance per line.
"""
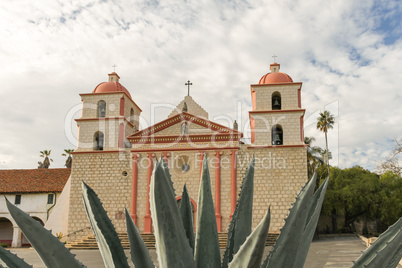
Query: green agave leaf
x=385 y=251
x=168 y=176
x=139 y=253
x=172 y=245
x=186 y=213
x=52 y=252
x=251 y=252
x=311 y=224
x=240 y=225
x=207 y=252
x=12 y=260
x=106 y=236
x=283 y=253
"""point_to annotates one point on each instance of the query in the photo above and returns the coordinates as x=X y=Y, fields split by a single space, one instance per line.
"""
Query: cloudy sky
x=347 y=53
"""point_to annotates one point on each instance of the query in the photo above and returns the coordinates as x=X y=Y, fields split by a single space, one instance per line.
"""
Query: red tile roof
x=33 y=180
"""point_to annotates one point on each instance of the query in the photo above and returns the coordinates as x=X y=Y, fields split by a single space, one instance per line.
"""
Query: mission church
x=116 y=158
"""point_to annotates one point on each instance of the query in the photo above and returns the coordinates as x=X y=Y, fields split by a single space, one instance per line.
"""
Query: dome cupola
x=112 y=85
x=275 y=77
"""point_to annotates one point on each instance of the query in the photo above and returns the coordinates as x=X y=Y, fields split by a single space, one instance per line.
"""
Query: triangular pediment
x=185 y=126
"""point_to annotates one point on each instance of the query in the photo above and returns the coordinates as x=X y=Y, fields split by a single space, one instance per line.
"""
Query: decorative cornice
x=276 y=146
x=278 y=111
x=108 y=93
x=182 y=149
x=276 y=84
x=98 y=152
x=180 y=118
x=185 y=138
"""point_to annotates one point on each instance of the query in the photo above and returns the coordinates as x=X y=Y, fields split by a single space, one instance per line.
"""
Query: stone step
x=89 y=242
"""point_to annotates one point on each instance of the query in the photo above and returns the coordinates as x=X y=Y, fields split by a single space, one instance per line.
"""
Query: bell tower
x=109 y=115
x=276 y=118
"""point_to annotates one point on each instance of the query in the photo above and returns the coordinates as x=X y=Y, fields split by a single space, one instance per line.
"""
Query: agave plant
x=178 y=246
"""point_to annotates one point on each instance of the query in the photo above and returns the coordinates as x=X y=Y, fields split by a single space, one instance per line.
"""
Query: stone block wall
x=289 y=96
x=103 y=172
x=280 y=173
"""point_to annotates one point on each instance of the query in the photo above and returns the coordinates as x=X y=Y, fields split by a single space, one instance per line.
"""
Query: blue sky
x=348 y=54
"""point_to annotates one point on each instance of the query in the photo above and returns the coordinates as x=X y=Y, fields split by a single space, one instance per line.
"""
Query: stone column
x=218 y=190
x=134 y=189
x=147 y=217
x=17 y=237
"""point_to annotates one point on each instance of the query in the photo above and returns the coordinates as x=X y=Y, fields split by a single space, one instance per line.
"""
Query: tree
x=46 y=162
x=69 y=160
x=391 y=164
x=390 y=196
x=314 y=158
x=324 y=122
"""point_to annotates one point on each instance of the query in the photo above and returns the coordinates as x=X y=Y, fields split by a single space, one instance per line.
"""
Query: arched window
x=98 y=141
x=276 y=101
x=101 y=109
x=277 y=135
x=132 y=116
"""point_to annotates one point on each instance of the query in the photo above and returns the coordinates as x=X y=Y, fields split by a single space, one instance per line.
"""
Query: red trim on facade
x=218 y=191
x=299 y=97
x=122 y=102
x=147 y=217
x=117 y=92
x=104 y=118
x=252 y=128
x=301 y=129
x=277 y=146
x=184 y=117
x=277 y=84
x=134 y=189
x=253 y=99
x=98 y=152
x=277 y=111
x=233 y=185
x=185 y=138
x=121 y=135
x=180 y=149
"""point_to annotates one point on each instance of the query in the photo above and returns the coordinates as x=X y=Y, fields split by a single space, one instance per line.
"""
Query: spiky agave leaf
x=52 y=252
x=168 y=176
x=240 y=225
x=139 y=253
x=172 y=244
x=251 y=252
x=186 y=213
x=283 y=253
x=207 y=252
x=12 y=260
x=385 y=251
x=106 y=236
x=311 y=224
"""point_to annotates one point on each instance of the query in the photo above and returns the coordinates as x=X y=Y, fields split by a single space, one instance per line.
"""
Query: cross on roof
x=188 y=84
x=114 y=67
x=274 y=56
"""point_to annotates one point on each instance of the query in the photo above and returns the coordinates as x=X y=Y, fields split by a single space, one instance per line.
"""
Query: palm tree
x=324 y=122
x=69 y=160
x=314 y=155
x=46 y=162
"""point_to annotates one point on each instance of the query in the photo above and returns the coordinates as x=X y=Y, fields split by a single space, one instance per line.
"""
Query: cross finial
x=274 y=56
x=114 y=67
x=188 y=84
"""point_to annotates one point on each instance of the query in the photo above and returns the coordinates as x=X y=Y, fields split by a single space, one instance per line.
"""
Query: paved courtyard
x=329 y=252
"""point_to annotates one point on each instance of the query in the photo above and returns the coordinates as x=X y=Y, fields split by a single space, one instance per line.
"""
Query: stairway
x=89 y=242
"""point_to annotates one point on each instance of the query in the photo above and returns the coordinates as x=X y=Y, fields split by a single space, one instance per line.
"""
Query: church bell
x=276 y=104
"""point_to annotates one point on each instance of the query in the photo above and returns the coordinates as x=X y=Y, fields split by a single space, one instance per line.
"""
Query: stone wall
x=103 y=172
x=289 y=96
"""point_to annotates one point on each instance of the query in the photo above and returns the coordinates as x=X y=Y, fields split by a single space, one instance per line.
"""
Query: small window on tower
x=98 y=141
x=101 y=109
x=277 y=135
x=50 y=199
x=17 y=199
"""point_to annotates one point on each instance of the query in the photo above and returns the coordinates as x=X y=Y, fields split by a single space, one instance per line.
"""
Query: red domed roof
x=273 y=78
x=111 y=86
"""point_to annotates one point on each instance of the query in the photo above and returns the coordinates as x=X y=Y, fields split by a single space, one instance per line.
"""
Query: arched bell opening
x=101 y=112
x=98 y=141
x=277 y=135
x=276 y=101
